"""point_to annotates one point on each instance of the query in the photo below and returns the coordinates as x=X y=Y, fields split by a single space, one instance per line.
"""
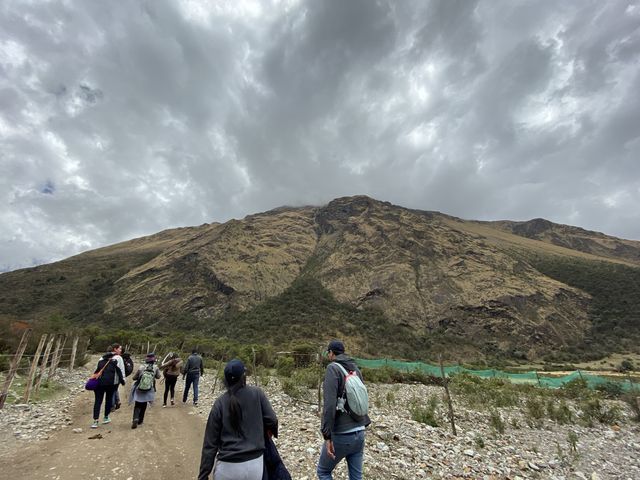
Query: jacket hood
x=346 y=361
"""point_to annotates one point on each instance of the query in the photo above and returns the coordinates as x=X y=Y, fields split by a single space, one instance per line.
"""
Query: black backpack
x=128 y=364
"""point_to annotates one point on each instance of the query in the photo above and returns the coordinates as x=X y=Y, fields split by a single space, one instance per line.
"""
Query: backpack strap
x=345 y=374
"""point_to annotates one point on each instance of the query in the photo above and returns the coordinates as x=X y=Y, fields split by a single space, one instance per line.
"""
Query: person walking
x=192 y=370
x=343 y=431
x=144 y=388
x=112 y=376
x=171 y=371
x=234 y=438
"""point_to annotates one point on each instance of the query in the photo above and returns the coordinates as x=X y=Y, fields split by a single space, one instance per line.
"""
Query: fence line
x=532 y=377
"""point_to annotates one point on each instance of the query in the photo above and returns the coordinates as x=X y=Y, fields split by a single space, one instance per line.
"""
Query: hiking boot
x=106 y=420
x=94 y=424
x=134 y=424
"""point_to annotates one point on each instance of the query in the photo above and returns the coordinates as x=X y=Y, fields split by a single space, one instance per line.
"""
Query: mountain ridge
x=429 y=274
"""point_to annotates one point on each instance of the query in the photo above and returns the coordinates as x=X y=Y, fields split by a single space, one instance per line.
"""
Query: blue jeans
x=192 y=378
x=345 y=445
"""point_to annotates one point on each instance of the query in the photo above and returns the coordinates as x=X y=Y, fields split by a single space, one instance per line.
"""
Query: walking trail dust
x=167 y=445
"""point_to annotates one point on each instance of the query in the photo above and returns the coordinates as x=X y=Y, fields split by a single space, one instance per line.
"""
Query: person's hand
x=330 y=450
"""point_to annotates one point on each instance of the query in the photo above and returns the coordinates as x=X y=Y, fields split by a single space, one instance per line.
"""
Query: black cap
x=233 y=370
x=336 y=346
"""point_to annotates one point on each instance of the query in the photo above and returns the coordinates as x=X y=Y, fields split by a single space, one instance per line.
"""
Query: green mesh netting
x=532 y=378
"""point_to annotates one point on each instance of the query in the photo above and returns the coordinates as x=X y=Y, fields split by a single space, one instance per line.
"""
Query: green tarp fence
x=532 y=378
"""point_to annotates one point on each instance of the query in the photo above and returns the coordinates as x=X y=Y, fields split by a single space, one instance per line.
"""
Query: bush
x=496 y=422
x=594 y=410
x=576 y=389
x=285 y=366
x=561 y=413
x=534 y=411
x=424 y=413
x=633 y=400
x=610 y=389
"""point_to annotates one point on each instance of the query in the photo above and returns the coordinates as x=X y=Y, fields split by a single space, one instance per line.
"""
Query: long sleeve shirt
x=222 y=441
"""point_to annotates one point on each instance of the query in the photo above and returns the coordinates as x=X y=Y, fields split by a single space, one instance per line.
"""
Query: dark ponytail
x=235 y=412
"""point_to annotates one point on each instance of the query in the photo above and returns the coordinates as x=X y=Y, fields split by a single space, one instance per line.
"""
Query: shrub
x=633 y=400
x=610 y=389
x=424 y=413
x=594 y=410
x=285 y=366
x=496 y=422
x=561 y=413
x=534 y=411
x=576 y=389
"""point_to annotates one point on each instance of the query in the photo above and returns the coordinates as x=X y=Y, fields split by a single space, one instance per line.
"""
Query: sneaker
x=195 y=404
x=117 y=406
x=134 y=424
x=172 y=403
x=164 y=405
x=94 y=424
x=106 y=420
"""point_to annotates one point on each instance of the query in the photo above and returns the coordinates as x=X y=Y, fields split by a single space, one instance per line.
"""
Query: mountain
x=391 y=280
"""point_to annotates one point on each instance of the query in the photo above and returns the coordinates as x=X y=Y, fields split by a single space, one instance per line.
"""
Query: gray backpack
x=355 y=394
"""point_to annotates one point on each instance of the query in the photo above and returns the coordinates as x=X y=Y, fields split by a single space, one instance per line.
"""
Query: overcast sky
x=121 y=119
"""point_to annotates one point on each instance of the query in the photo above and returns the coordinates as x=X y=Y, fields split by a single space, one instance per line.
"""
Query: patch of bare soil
x=166 y=446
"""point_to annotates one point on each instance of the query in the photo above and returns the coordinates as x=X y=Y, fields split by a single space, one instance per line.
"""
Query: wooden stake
x=445 y=380
x=34 y=367
x=43 y=365
x=255 y=373
x=74 y=348
x=14 y=366
x=57 y=355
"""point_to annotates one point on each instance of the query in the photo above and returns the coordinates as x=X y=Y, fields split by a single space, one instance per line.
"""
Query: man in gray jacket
x=343 y=431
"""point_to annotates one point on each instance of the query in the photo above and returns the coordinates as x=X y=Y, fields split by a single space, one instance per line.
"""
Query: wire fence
x=531 y=378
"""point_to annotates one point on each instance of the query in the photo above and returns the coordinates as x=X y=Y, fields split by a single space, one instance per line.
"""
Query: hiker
x=112 y=376
x=342 y=430
x=192 y=370
x=128 y=368
x=234 y=438
x=171 y=371
x=144 y=388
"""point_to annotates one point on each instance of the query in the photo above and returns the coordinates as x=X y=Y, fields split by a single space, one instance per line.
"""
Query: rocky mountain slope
x=372 y=268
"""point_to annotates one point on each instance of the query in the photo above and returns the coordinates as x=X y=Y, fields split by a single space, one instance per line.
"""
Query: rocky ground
x=397 y=447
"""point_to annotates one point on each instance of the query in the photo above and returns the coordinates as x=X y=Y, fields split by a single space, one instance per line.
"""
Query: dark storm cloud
x=122 y=119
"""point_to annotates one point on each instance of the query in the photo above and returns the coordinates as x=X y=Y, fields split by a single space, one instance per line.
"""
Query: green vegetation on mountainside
x=615 y=304
x=308 y=311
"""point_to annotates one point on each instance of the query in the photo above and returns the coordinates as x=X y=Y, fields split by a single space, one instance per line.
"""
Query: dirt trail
x=167 y=446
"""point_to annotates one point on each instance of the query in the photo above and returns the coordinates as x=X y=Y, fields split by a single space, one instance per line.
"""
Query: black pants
x=100 y=394
x=138 y=412
x=169 y=386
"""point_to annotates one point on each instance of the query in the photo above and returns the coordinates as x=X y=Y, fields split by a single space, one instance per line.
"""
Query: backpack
x=147 y=379
x=128 y=364
x=354 y=393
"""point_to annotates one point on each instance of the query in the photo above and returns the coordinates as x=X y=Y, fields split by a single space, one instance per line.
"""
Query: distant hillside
x=391 y=280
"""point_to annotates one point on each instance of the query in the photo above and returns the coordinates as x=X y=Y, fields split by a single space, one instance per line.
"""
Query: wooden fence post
x=43 y=365
x=62 y=340
x=34 y=367
x=52 y=367
x=14 y=366
x=74 y=349
x=445 y=380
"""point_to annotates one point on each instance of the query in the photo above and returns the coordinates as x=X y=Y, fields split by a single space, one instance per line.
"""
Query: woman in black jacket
x=235 y=430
